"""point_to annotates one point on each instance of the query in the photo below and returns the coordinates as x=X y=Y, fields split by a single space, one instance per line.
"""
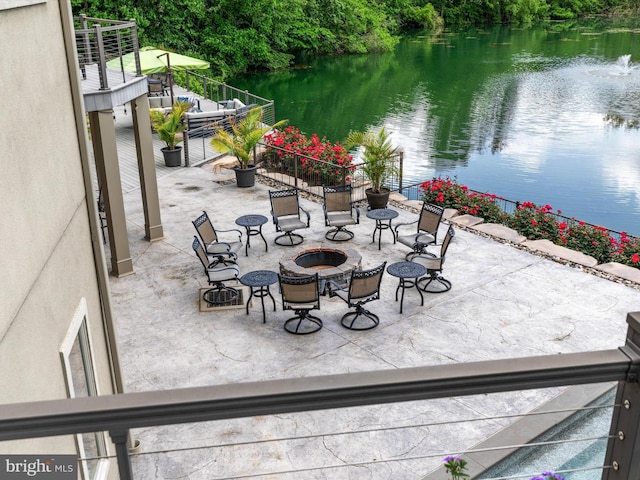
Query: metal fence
x=99 y=41
x=309 y=174
x=414 y=192
x=117 y=414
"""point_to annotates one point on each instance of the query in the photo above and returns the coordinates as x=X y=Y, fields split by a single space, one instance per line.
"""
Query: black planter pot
x=172 y=158
x=246 y=177
x=377 y=200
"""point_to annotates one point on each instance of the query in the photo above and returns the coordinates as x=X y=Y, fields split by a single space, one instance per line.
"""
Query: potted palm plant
x=241 y=140
x=379 y=163
x=169 y=127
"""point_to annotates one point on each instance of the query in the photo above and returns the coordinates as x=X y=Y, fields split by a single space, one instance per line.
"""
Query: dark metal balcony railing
x=99 y=41
x=117 y=414
x=310 y=174
x=414 y=192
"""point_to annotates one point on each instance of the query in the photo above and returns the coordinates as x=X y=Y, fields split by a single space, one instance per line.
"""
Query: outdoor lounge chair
x=363 y=287
x=434 y=282
x=211 y=241
x=339 y=212
x=427 y=230
x=287 y=216
x=218 y=271
x=301 y=295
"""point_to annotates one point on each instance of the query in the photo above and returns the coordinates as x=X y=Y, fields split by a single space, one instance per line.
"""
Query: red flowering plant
x=627 y=251
x=535 y=222
x=588 y=239
x=320 y=161
x=449 y=194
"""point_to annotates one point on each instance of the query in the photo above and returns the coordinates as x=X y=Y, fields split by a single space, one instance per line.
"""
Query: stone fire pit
x=328 y=262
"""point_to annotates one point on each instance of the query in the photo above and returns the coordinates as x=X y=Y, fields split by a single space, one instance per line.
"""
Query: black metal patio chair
x=363 y=287
x=288 y=216
x=339 y=211
x=426 y=232
x=301 y=295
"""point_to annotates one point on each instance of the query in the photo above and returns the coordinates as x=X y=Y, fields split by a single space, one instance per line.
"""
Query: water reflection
x=549 y=115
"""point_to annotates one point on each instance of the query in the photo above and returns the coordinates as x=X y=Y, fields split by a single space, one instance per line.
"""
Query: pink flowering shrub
x=449 y=194
x=588 y=239
x=627 y=251
x=535 y=222
x=320 y=161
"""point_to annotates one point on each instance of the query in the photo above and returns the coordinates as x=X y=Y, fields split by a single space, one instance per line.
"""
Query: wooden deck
x=200 y=151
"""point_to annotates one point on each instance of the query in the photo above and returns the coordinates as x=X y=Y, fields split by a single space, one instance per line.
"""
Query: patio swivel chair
x=218 y=271
x=288 y=216
x=339 y=211
x=434 y=282
x=426 y=232
x=363 y=287
x=301 y=294
x=211 y=241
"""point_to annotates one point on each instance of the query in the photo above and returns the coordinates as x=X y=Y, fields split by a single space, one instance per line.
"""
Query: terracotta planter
x=246 y=177
x=172 y=158
x=377 y=200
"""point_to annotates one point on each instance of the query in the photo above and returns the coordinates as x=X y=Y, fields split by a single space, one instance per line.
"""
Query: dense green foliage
x=251 y=35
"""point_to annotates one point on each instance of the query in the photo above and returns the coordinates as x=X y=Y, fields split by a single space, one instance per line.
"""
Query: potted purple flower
x=455 y=466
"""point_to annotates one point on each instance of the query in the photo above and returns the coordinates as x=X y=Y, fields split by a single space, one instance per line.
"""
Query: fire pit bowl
x=329 y=263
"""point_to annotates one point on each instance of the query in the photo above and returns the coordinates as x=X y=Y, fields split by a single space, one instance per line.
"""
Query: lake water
x=547 y=114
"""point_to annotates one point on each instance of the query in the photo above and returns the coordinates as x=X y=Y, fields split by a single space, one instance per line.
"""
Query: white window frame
x=79 y=330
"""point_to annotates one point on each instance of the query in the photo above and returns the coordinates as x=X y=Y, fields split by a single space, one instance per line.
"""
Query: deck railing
x=414 y=192
x=99 y=41
x=118 y=414
x=197 y=149
x=310 y=174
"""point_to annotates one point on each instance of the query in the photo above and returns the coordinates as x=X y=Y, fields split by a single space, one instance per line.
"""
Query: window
x=80 y=375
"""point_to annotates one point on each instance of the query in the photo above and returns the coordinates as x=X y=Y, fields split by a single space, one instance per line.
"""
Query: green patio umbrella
x=156 y=60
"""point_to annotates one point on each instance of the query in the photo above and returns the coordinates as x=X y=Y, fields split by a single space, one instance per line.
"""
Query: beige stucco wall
x=46 y=255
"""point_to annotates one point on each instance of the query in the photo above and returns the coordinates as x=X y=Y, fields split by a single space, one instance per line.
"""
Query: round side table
x=408 y=273
x=382 y=215
x=259 y=282
x=253 y=226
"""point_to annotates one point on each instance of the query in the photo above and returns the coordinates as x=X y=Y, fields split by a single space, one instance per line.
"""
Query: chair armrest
x=334 y=287
x=307 y=214
x=357 y=213
x=326 y=215
x=231 y=230
x=275 y=219
x=219 y=261
x=398 y=225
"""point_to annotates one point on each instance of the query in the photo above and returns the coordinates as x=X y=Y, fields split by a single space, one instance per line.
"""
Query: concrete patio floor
x=505 y=303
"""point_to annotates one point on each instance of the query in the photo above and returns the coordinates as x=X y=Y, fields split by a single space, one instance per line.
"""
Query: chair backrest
x=366 y=283
x=447 y=239
x=284 y=202
x=301 y=290
x=337 y=198
x=200 y=253
x=430 y=218
x=155 y=86
x=205 y=229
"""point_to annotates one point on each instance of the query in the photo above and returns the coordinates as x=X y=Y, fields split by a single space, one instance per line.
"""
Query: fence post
x=102 y=64
x=185 y=140
x=295 y=169
x=622 y=460
x=121 y=438
x=401 y=161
